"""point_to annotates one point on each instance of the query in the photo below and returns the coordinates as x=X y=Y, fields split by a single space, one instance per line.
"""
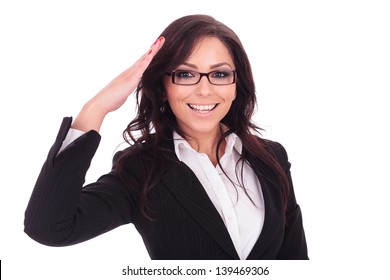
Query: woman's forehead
x=209 y=51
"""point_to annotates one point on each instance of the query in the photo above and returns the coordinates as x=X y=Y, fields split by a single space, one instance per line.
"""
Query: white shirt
x=243 y=219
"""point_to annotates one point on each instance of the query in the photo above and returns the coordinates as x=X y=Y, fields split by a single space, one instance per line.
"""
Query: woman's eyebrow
x=211 y=67
x=220 y=64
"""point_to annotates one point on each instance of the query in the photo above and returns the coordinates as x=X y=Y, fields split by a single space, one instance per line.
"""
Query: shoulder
x=278 y=151
x=276 y=147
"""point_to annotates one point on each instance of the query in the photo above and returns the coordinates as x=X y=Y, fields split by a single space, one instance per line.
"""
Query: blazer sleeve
x=294 y=245
x=60 y=210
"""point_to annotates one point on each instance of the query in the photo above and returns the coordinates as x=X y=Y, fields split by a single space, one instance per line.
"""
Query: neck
x=207 y=144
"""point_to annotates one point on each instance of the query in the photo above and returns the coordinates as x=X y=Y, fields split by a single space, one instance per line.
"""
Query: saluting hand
x=115 y=94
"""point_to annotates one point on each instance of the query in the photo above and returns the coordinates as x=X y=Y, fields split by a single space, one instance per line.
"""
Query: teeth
x=202 y=108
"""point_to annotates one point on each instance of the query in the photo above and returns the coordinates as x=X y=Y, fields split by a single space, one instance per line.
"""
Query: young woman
x=197 y=181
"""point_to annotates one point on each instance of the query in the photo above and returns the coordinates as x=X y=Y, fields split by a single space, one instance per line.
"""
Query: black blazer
x=185 y=223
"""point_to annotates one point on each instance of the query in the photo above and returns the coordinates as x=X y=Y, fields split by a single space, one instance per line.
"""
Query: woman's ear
x=164 y=97
x=164 y=105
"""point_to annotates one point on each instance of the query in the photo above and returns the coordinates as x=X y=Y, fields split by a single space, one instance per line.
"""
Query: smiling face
x=199 y=108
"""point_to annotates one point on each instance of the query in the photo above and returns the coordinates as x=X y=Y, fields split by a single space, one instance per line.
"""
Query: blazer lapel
x=272 y=220
x=187 y=189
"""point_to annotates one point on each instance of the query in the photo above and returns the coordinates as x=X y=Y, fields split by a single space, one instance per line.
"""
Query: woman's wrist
x=90 y=117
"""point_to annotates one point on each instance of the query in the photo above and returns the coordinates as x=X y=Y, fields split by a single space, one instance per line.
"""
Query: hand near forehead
x=115 y=94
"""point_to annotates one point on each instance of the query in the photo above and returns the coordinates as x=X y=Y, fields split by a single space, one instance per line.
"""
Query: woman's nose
x=204 y=87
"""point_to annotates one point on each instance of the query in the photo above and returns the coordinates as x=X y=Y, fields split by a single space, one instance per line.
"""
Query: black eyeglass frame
x=172 y=75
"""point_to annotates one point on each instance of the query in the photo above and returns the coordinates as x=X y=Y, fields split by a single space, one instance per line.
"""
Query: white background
x=322 y=70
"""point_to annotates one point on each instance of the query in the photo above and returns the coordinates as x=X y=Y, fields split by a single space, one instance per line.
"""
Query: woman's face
x=199 y=108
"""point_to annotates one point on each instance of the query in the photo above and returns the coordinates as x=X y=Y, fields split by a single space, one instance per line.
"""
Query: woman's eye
x=184 y=74
x=221 y=74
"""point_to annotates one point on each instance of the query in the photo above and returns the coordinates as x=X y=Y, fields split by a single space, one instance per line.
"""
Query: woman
x=196 y=181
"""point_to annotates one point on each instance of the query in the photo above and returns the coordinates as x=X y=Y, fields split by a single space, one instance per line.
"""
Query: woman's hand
x=115 y=94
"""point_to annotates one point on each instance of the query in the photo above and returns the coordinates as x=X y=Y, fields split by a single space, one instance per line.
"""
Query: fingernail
x=150 y=51
x=155 y=42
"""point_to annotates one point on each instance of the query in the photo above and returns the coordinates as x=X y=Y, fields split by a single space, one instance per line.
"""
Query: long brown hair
x=154 y=122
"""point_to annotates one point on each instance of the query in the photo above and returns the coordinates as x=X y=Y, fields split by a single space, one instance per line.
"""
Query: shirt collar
x=233 y=142
x=180 y=143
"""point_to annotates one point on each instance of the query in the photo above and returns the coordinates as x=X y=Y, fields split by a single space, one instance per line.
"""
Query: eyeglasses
x=188 y=77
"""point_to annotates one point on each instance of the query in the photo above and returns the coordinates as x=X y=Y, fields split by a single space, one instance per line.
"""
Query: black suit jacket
x=185 y=223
